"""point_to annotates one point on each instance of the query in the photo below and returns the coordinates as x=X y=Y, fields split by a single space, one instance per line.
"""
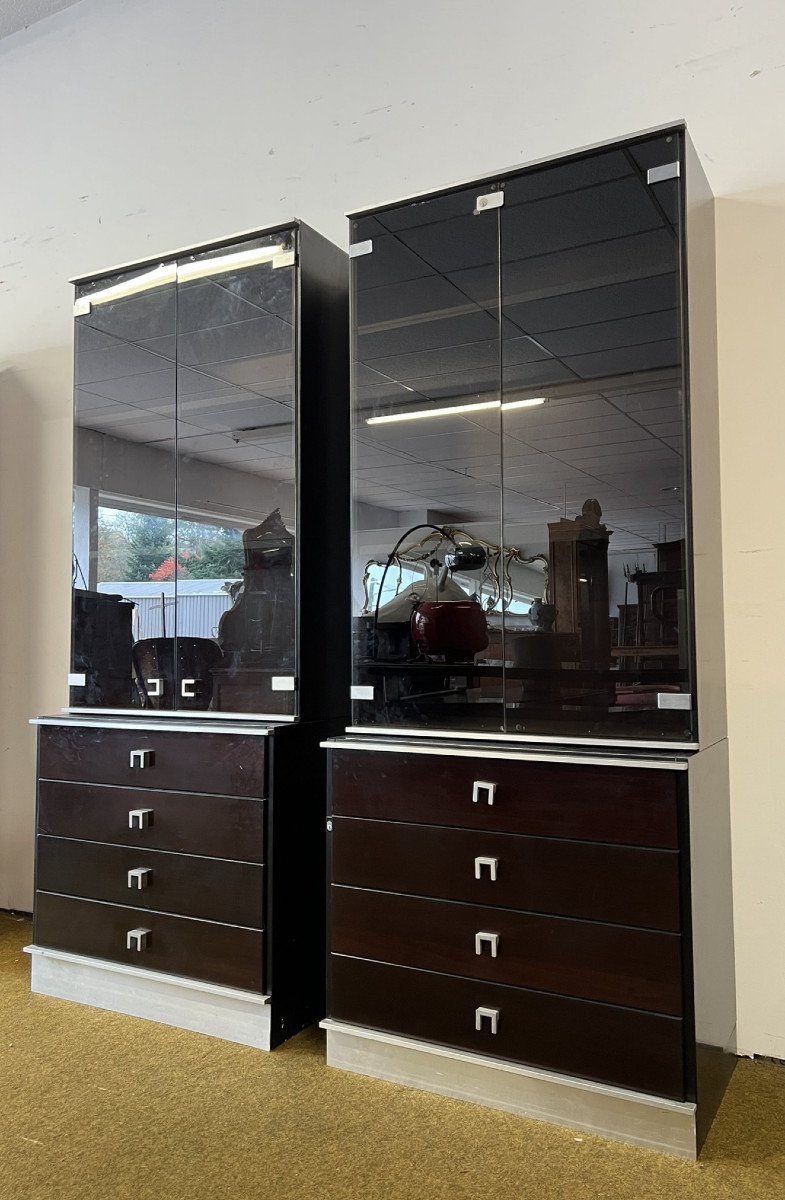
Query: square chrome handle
x=486 y=1014
x=481 y=940
x=480 y=789
x=491 y=863
x=140 y=877
x=142 y=759
x=154 y=687
x=137 y=939
x=140 y=818
x=188 y=688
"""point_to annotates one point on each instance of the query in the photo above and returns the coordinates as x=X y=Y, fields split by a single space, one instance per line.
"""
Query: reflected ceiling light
x=453 y=409
x=166 y=273
x=171 y=272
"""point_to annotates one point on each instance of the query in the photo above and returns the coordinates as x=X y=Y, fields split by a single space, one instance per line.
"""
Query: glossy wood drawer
x=625 y=805
x=634 y=967
x=624 y=884
x=224 y=764
x=620 y=1046
x=210 y=888
x=218 y=826
x=223 y=954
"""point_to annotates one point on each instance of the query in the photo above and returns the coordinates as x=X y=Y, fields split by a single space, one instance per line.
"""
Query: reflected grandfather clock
x=578 y=554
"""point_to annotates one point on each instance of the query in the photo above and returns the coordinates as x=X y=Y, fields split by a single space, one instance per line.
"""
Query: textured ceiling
x=20 y=14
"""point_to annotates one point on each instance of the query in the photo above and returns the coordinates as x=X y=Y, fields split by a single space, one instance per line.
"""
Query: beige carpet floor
x=96 y=1106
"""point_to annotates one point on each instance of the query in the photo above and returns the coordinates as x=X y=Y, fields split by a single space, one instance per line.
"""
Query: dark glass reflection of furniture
x=101 y=649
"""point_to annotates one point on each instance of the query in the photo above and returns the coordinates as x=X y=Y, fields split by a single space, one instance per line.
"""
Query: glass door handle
x=188 y=689
x=155 y=687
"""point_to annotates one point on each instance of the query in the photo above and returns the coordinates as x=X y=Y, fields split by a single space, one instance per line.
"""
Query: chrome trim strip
x=150 y=723
x=173 y=714
x=661 y=764
x=528 y=1092
x=539 y=739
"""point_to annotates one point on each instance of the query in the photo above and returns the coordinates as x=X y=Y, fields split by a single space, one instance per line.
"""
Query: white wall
x=132 y=126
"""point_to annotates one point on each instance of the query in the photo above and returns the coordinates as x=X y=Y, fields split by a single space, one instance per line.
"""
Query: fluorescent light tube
x=166 y=273
x=170 y=272
x=421 y=413
x=227 y=262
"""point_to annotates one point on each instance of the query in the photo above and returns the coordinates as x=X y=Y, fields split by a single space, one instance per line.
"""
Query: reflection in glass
x=518 y=384
x=185 y=507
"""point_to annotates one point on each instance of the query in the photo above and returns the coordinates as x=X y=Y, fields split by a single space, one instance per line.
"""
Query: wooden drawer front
x=623 y=884
x=629 y=805
x=199 y=949
x=620 y=1046
x=209 y=888
x=223 y=764
x=633 y=967
x=218 y=826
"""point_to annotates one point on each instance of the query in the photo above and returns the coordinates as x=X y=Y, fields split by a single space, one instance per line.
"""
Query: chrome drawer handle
x=140 y=818
x=479 y=787
x=486 y=939
x=137 y=939
x=486 y=1014
x=140 y=877
x=142 y=759
x=188 y=689
x=491 y=863
x=155 y=687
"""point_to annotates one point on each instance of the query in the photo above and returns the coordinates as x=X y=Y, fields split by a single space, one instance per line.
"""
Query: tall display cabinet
x=180 y=836
x=530 y=856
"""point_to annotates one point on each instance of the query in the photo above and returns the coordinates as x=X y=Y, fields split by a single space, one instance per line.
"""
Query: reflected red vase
x=456 y=629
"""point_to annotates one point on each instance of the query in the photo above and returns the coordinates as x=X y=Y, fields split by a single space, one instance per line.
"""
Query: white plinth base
x=631 y=1117
x=221 y=1012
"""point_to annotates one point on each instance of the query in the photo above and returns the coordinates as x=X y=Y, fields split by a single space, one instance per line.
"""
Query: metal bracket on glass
x=155 y=687
x=360 y=248
x=140 y=818
x=76 y=679
x=486 y=1014
x=674 y=700
x=285 y=259
x=489 y=200
x=360 y=691
x=82 y=306
x=142 y=759
x=671 y=170
x=283 y=683
x=481 y=940
x=479 y=787
x=491 y=863
x=188 y=689
x=138 y=939
x=140 y=877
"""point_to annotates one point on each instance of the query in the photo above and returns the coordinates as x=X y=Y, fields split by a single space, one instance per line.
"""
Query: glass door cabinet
x=521 y=527
x=189 y=569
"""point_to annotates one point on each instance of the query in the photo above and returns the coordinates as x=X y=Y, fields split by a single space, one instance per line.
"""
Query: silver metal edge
x=487 y=176
x=98 y=722
x=662 y=764
x=195 y=716
x=540 y=739
x=183 y=981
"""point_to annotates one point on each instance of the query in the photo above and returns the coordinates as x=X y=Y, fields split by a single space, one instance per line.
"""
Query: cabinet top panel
x=521 y=168
x=198 y=248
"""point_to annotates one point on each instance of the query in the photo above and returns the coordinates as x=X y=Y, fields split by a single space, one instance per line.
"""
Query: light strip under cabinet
x=173 y=272
x=453 y=409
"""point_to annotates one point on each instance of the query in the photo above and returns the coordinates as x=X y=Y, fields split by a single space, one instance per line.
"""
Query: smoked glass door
x=235 y=559
x=426 y=465
x=593 y=425
x=123 y=609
